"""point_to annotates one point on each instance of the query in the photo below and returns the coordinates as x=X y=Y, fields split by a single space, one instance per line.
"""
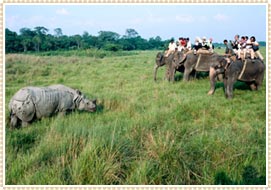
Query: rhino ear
x=94 y=101
x=78 y=92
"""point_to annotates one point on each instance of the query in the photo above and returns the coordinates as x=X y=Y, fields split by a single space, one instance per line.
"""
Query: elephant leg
x=253 y=86
x=167 y=74
x=172 y=74
x=220 y=77
x=225 y=85
x=195 y=74
x=186 y=74
x=212 y=76
x=259 y=81
x=229 y=88
x=155 y=71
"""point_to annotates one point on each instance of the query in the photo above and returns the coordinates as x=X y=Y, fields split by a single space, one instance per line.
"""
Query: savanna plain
x=143 y=132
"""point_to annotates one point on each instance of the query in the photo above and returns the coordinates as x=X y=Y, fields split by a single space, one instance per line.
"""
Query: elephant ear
x=159 y=57
x=181 y=57
x=222 y=61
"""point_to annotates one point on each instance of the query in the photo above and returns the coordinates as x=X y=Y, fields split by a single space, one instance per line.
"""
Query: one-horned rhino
x=31 y=103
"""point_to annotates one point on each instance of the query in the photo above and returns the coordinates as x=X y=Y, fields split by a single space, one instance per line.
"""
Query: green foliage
x=112 y=47
x=38 y=40
x=15 y=43
x=144 y=132
x=250 y=176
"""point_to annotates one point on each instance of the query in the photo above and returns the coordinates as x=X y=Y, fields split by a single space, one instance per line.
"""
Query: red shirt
x=183 y=43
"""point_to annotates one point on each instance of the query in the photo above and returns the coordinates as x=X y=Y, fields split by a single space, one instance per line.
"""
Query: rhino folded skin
x=30 y=102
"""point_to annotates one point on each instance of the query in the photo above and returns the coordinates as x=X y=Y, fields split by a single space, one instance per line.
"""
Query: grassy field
x=144 y=132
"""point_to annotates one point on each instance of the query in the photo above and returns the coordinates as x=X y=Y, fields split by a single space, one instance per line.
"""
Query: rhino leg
x=63 y=113
x=25 y=123
x=13 y=121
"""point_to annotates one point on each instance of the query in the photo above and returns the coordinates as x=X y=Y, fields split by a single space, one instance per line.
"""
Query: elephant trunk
x=212 y=76
x=155 y=71
x=158 y=63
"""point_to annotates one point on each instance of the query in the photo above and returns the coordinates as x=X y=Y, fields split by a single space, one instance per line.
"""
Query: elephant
x=248 y=70
x=161 y=60
x=30 y=103
x=195 y=62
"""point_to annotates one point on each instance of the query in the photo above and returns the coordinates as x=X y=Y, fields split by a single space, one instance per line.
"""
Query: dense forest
x=39 y=39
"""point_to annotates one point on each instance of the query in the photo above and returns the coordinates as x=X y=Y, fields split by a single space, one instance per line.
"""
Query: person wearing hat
x=210 y=45
x=253 y=47
x=188 y=44
x=204 y=43
x=197 y=45
x=171 y=47
x=236 y=43
x=229 y=49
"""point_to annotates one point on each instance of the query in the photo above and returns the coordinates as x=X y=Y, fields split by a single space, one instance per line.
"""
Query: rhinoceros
x=31 y=103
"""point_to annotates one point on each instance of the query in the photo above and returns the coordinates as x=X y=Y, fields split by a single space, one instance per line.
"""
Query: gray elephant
x=31 y=103
x=170 y=63
x=249 y=71
x=195 y=62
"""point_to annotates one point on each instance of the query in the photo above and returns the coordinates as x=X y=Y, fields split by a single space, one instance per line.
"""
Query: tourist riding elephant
x=249 y=71
x=162 y=60
x=197 y=62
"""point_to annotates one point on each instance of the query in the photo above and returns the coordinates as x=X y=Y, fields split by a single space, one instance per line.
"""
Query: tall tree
x=77 y=39
x=40 y=36
x=58 y=32
x=131 y=33
x=26 y=38
x=108 y=36
x=41 y=31
x=156 y=43
x=12 y=42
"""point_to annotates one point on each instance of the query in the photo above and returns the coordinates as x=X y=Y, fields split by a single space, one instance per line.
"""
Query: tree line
x=38 y=39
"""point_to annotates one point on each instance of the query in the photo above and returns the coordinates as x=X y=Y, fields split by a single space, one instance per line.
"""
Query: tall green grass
x=144 y=132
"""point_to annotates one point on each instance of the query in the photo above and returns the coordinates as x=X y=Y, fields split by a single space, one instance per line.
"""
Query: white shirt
x=188 y=45
x=249 y=45
x=172 y=46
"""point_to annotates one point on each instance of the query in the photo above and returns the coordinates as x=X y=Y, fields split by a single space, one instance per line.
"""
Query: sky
x=218 y=21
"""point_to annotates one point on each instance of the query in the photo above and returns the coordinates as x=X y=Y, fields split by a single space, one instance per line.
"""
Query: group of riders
x=184 y=44
x=239 y=47
x=242 y=47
